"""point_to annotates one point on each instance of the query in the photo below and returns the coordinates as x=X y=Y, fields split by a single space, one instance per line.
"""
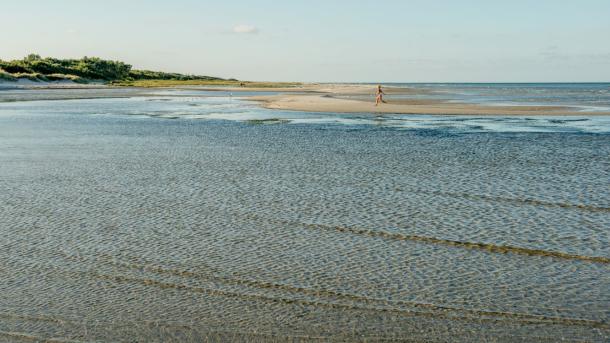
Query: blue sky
x=350 y=41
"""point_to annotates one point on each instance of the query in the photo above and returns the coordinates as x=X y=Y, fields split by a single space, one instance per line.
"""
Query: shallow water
x=214 y=105
x=118 y=224
x=588 y=97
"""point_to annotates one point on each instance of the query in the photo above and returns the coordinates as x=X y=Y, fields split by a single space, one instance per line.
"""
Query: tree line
x=85 y=69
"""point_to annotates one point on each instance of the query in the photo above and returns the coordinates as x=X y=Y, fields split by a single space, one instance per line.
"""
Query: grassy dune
x=115 y=73
x=88 y=69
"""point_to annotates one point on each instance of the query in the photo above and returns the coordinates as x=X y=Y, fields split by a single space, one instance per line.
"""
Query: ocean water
x=234 y=106
x=183 y=217
x=586 y=97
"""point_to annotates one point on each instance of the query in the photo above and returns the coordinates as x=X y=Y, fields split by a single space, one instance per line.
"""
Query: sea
x=586 y=97
x=187 y=215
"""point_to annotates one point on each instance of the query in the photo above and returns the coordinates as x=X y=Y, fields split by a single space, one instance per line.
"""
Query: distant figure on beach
x=379 y=95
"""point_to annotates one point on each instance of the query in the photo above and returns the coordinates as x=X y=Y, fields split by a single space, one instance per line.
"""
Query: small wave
x=354 y=297
x=268 y=121
x=489 y=247
x=534 y=202
x=24 y=336
x=484 y=316
x=474 y=245
x=362 y=302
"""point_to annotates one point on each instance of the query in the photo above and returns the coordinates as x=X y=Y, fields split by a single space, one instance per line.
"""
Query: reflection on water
x=185 y=105
x=117 y=225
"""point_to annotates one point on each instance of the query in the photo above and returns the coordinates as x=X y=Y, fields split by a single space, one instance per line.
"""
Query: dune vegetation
x=92 y=69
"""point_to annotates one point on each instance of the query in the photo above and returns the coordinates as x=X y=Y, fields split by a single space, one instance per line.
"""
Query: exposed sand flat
x=306 y=88
x=339 y=98
x=359 y=99
x=54 y=93
x=64 y=84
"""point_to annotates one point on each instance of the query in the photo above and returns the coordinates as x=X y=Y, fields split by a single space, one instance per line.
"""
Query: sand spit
x=337 y=98
x=360 y=99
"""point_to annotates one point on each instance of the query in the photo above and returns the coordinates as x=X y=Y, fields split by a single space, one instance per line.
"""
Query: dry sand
x=340 y=98
x=360 y=99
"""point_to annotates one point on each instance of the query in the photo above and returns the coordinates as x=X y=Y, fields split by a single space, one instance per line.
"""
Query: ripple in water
x=121 y=226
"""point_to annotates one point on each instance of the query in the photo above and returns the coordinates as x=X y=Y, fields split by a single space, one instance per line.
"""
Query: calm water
x=587 y=97
x=230 y=222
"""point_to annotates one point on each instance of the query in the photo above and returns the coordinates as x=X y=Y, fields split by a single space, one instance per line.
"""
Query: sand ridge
x=360 y=99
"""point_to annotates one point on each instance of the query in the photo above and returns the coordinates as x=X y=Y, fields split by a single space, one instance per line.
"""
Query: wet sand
x=336 y=98
x=360 y=99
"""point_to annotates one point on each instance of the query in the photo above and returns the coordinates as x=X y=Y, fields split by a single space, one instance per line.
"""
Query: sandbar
x=360 y=99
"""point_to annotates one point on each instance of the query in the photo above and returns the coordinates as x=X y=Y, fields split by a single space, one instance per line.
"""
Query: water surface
x=119 y=223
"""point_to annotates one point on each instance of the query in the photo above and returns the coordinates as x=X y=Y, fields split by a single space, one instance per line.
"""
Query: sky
x=324 y=41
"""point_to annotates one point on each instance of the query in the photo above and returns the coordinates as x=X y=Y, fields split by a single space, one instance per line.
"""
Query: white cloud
x=245 y=29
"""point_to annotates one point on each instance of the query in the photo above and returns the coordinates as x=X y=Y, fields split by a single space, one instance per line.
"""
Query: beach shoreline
x=353 y=99
x=326 y=98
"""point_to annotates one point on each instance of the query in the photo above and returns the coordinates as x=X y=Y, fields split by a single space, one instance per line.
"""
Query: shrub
x=37 y=68
x=6 y=76
x=31 y=76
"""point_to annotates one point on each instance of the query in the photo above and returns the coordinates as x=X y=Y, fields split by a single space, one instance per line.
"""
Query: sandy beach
x=335 y=98
x=248 y=171
x=360 y=99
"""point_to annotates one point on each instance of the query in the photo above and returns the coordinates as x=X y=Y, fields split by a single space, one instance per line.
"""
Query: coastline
x=353 y=99
x=357 y=216
x=325 y=98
